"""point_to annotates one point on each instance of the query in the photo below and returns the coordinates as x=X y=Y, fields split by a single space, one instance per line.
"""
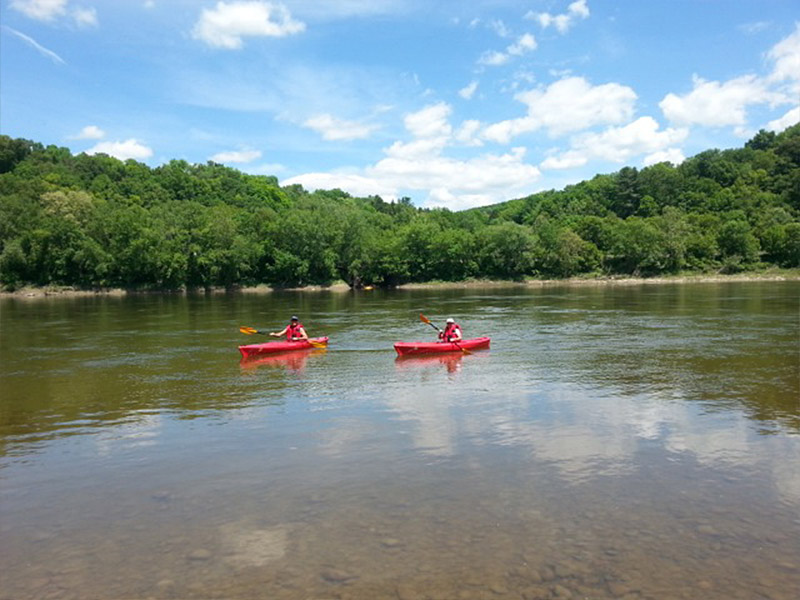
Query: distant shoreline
x=608 y=281
x=70 y=292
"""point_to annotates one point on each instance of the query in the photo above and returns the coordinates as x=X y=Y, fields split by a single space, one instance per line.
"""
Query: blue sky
x=451 y=103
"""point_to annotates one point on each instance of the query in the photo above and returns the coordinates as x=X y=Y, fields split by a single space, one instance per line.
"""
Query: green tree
x=737 y=244
x=627 y=193
x=505 y=251
x=640 y=248
x=14 y=151
x=560 y=252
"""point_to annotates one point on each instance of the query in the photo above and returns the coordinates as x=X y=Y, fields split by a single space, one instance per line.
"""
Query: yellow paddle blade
x=317 y=344
x=248 y=330
x=424 y=319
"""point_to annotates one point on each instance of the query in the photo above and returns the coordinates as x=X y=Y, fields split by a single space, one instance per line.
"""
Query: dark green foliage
x=561 y=252
x=505 y=250
x=97 y=221
x=13 y=151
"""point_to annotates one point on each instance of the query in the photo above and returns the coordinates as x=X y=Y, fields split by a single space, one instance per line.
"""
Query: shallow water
x=615 y=442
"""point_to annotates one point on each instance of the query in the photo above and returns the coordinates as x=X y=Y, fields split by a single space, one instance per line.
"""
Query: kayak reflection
x=452 y=362
x=293 y=360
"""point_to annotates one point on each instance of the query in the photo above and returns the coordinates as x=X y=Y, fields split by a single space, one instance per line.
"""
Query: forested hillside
x=95 y=221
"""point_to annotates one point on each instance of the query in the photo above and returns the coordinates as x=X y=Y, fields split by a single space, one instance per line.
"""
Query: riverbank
x=772 y=275
x=51 y=291
x=686 y=278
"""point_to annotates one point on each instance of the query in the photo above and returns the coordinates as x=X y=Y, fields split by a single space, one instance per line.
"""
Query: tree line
x=95 y=221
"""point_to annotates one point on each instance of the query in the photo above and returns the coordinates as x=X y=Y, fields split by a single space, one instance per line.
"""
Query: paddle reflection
x=292 y=360
x=452 y=361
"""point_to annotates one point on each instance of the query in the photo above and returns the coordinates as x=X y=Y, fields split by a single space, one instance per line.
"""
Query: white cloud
x=468 y=91
x=524 y=44
x=430 y=122
x=41 y=10
x=454 y=183
x=226 y=24
x=236 y=156
x=85 y=17
x=467 y=133
x=755 y=27
x=357 y=185
x=50 y=10
x=567 y=160
x=420 y=164
x=744 y=133
x=493 y=58
x=417 y=148
x=790 y=118
x=36 y=45
x=577 y=10
x=499 y=28
x=619 y=144
x=573 y=104
x=90 y=132
x=671 y=155
x=483 y=179
x=567 y=105
x=130 y=148
x=725 y=104
x=332 y=128
x=786 y=55
x=716 y=104
x=503 y=131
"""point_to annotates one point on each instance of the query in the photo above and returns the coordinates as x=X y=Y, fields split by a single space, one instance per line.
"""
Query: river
x=616 y=441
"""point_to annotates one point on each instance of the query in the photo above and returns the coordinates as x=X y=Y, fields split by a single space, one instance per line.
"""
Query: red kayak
x=411 y=348
x=270 y=347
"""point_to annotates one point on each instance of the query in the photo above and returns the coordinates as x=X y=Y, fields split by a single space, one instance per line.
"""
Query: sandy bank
x=793 y=275
x=71 y=292
x=772 y=275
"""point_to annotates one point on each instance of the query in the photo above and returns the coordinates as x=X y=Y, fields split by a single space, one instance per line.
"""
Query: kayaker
x=452 y=331
x=293 y=331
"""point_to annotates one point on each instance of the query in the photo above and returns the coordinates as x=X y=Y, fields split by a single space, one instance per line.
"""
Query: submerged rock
x=337 y=576
x=200 y=554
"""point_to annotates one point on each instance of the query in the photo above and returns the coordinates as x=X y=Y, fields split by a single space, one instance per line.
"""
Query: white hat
x=451 y=320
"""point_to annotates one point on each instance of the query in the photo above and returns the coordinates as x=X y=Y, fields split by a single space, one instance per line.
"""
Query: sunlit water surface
x=615 y=442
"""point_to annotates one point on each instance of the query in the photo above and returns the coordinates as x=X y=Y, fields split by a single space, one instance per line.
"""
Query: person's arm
x=455 y=336
x=279 y=333
x=303 y=334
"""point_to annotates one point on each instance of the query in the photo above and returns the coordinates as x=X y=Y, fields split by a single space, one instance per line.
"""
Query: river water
x=630 y=441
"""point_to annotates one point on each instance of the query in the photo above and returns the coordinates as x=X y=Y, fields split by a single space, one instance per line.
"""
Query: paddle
x=252 y=331
x=425 y=319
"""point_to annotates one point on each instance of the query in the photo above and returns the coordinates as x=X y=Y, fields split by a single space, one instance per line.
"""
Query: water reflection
x=634 y=443
x=452 y=362
x=294 y=360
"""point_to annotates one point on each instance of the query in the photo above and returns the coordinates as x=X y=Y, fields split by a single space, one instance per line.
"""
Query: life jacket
x=449 y=331
x=293 y=331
